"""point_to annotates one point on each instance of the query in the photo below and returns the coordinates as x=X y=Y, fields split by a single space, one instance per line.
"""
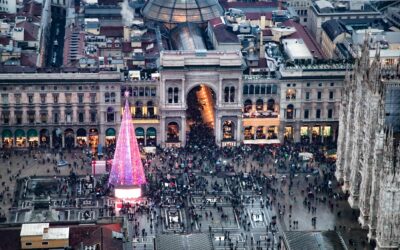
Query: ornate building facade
x=368 y=153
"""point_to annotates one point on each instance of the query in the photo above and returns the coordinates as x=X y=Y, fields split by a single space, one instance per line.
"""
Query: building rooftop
x=296 y=49
x=333 y=28
x=56 y=233
x=33 y=229
x=181 y=11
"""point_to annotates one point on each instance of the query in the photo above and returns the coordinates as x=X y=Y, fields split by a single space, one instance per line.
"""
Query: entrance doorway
x=200 y=115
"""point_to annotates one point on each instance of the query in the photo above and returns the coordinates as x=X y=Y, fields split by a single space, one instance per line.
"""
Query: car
x=62 y=163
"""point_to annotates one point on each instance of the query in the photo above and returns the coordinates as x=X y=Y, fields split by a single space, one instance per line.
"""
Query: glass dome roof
x=180 y=11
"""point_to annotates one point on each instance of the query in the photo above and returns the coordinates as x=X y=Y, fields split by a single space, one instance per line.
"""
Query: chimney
x=262 y=47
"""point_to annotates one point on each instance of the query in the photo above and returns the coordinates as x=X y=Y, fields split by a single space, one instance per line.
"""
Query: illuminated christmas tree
x=127 y=171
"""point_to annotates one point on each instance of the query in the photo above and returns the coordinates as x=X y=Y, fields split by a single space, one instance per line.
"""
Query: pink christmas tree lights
x=127 y=167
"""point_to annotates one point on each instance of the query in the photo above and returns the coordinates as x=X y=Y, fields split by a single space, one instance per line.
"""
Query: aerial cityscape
x=200 y=124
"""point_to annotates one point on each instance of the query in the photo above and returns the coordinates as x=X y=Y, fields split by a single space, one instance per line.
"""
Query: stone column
x=183 y=130
x=163 y=135
x=239 y=127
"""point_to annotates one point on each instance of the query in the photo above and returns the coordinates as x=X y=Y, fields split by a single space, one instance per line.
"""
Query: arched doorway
x=259 y=105
x=69 y=138
x=57 y=138
x=20 y=138
x=93 y=139
x=44 y=138
x=81 y=137
x=7 y=138
x=200 y=114
x=228 y=131
x=288 y=134
x=151 y=137
x=139 y=132
x=33 y=138
x=110 y=137
x=173 y=132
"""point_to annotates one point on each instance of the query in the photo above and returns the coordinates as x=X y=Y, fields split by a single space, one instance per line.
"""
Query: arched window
x=106 y=97
x=260 y=133
x=135 y=91
x=226 y=94
x=247 y=106
x=270 y=105
x=251 y=90
x=274 y=89
x=123 y=89
x=290 y=111
x=130 y=91
x=141 y=91
x=257 y=91
x=232 y=94
x=259 y=105
x=263 y=90
x=245 y=90
x=146 y=91
x=153 y=91
x=176 y=95
x=150 y=109
x=170 y=95
x=268 y=89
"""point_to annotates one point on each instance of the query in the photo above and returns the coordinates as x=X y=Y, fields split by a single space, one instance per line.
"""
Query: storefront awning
x=110 y=132
x=19 y=133
x=139 y=132
x=151 y=132
x=6 y=133
x=262 y=141
x=32 y=133
x=81 y=132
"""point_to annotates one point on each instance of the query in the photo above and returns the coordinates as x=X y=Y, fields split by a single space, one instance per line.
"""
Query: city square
x=200 y=124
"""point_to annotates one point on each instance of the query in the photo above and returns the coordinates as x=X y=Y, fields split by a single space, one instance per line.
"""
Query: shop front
x=139 y=132
x=151 y=136
x=69 y=138
x=33 y=138
x=81 y=138
x=7 y=138
x=93 y=139
x=110 y=137
x=20 y=138
x=44 y=138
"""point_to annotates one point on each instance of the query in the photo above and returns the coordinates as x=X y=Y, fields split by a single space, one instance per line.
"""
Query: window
x=18 y=117
x=80 y=117
x=245 y=90
x=176 y=95
x=30 y=99
x=5 y=117
x=68 y=116
x=153 y=91
x=331 y=95
x=232 y=94
x=308 y=84
x=170 y=95
x=290 y=94
x=274 y=89
x=112 y=97
x=93 y=116
x=307 y=95
x=319 y=95
x=257 y=90
x=68 y=98
x=80 y=98
x=93 y=97
x=31 y=117
x=263 y=89
x=106 y=97
x=251 y=90
x=17 y=98
x=43 y=98
x=226 y=94
x=110 y=114
x=55 y=117
x=290 y=111
x=320 y=84
x=306 y=113
x=318 y=114
x=55 y=98
x=45 y=243
x=141 y=91
x=28 y=243
x=330 y=113
x=332 y=84
x=43 y=117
